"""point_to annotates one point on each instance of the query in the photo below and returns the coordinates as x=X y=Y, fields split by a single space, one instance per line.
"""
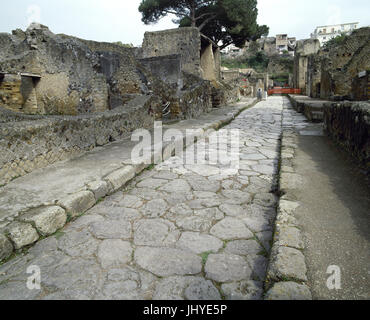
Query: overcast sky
x=119 y=20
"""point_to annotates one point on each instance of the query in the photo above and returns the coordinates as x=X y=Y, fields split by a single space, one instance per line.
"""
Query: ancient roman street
x=175 y=232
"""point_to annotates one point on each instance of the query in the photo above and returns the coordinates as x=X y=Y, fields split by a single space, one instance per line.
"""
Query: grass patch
x=263 y=253
x=151 y=167
x=205 y=256
x=258 y=61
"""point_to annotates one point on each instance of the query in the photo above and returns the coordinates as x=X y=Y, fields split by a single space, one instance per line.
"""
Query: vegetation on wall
x=280 y=78
x=337 y=41
x=258 y=62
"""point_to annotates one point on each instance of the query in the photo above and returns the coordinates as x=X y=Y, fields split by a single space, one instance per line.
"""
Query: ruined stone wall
x=207 y=62
x=166 y=68
x=217 y=59
x=361 y=87
x=10 y=91
x=230 y=75
x=28 y=145
x=77 y=76
x=342 y=63
x=197 y=101
x=303 y=49
x=7 y=115
x=348 y=124
x=268 y=45
x=280 y=65
x=314 y=75
x=183 y=41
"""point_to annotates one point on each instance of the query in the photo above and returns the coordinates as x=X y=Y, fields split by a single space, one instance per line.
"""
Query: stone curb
x=287 y=270
x=36 y=223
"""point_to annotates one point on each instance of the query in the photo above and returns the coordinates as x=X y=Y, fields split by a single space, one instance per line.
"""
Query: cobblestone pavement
x=176 y=232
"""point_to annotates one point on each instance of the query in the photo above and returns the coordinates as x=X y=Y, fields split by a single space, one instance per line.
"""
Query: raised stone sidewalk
x=287 y=273
x=312 y=108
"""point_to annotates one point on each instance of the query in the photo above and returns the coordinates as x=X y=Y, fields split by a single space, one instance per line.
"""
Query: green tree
x=226 y=21
x=154 y=10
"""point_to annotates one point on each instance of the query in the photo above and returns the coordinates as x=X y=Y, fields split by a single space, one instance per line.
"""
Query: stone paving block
x=288 y=236
x=78 y=203
x=233 y=210
x=114 y=253
x=186 y=287
x=151 y=183
x=47 y=220
x=244 y=247
x=6 y=248
x=286 y=264
x=78 y=243
x=176 y=186
x=289 y=181
x=120 y=177
x=227 y=268
x=199 y=243
x=112 y=229
x=265 y=199
x=155 y=208
x=155 y=233
x=21 y=234
x=202 y=290
x=99 y=188
x=288 y=207
x=165 y=262
x=130 y=201
x=244 y=290
x=288 y=291
x=231 y=229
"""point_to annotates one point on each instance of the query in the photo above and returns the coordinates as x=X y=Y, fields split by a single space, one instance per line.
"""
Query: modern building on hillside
x=285 y=44
x=270 y=45
x=326 y=33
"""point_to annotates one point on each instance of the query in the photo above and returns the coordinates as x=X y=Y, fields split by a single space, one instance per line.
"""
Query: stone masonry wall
x=361 y=87
x=348 y=124
x=29 y=145
x=166 y=68
x=10 y=91
x=303 y=49
x=314 y=75
x=183 y=41
x=77 y=76
x=342 y=63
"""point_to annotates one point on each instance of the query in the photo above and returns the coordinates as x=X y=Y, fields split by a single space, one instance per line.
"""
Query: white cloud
x=335 y=15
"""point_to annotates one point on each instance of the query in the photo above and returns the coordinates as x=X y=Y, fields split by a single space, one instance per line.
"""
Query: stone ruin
x=339 y=72
x=61 y=96
x=47 y=74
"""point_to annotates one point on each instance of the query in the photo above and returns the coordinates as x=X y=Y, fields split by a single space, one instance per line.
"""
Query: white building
x=233 y=51
x=326 y=33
